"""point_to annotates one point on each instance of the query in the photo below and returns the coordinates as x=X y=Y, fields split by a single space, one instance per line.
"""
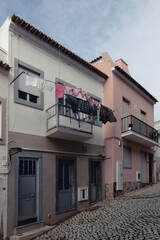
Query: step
x=31 y=234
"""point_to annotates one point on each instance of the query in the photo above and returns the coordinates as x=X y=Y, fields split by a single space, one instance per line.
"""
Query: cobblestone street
x=133 y=216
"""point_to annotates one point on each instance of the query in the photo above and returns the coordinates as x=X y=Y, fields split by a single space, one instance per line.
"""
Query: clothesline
x=106 y=114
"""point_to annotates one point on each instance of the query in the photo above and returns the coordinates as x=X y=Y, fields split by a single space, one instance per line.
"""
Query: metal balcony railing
x=131 y=123
x=60 y=115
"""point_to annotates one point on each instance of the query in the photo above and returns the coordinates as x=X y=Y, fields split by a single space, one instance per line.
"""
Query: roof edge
x=135 y=82
x=39 y=34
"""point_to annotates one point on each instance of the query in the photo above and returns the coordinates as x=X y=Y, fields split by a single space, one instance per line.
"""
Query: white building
x=56 y=155
x=4 y=161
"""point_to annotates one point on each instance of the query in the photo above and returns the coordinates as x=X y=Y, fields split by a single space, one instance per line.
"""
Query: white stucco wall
x=32 y=121
x=4 y=156
x=4 y=34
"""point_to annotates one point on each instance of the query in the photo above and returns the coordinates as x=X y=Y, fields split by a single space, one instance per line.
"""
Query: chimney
x=122 y=64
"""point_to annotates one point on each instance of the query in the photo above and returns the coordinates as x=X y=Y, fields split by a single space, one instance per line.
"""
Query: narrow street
x=133 y=216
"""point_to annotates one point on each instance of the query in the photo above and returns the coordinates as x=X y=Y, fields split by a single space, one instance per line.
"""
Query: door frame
x=38 y=158
x=89 y=175
x=143 y=159
x=74 y=187
x=150 y=165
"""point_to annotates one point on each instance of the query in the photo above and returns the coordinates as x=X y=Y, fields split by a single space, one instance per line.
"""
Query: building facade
x=55 y=138
x=63 y=148
x=157 y=152
x=129 y=143
x=4 y=163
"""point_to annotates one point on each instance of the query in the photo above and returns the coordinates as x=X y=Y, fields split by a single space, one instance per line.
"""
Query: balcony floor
x=138 y=138
x=68 y=134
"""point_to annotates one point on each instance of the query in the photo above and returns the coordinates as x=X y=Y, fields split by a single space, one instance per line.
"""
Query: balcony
x=64 y=124
x=138 y=131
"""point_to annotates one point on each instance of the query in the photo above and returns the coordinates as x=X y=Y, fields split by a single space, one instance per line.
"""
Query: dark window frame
x=31 y=100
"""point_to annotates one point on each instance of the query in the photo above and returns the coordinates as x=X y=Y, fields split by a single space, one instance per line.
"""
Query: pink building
x=129 y=142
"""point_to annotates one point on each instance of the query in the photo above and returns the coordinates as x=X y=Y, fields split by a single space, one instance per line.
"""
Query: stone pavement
x=135 y=216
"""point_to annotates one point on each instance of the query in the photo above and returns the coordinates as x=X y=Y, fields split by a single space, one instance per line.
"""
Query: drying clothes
x=49 y=85
x=106 y=115
x=59 y=90
x=40 y=84
x=82 y=93
x=68 y=89
x=76 y=91
x=84 y=106
x=91 y=101
x=73 y=102
x=31 y=80
x=94 y=111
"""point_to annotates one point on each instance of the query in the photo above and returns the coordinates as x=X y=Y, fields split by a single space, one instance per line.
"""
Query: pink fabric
x=68 y=89
x=91 y=101
x=76 y=91
x=59 y=90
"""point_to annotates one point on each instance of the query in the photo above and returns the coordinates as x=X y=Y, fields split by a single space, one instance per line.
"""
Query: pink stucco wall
x=115 y=89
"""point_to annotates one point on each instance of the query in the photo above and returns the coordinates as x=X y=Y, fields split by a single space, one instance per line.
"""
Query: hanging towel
x=76 y=91
x=59 y=90
x=31 y=81
x=68 y=89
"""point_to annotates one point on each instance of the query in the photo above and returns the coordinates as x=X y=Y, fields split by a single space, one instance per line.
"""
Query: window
x=127 y=157
x=95 y=116
x=27 y=94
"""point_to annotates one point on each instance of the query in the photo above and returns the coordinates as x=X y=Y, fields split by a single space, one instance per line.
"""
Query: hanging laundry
x=76 y=91
x=40 y=84
x=68 y=89
x=49 y=85
x=106 y=115
x=94 y=111
x=82 y=93
x=73 y=102
x=84 y=106
x=91 y=101
x=59 y=90
x=87 y=97
x=31 y=81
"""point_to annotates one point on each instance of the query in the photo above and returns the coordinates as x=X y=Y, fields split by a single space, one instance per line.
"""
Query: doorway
x=66 y=181
x=94 y=181
x=150 y=167
x=143 y=167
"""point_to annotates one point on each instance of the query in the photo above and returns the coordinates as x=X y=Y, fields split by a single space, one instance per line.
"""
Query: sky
x=127 y=29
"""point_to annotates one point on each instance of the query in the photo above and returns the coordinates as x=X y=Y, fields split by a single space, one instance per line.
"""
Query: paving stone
x=133 y=216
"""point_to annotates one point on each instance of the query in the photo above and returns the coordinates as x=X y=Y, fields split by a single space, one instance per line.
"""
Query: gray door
x=65 y=185
x=27 y=192
x=143 y=167
x=95 y=182
x=119 y=176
